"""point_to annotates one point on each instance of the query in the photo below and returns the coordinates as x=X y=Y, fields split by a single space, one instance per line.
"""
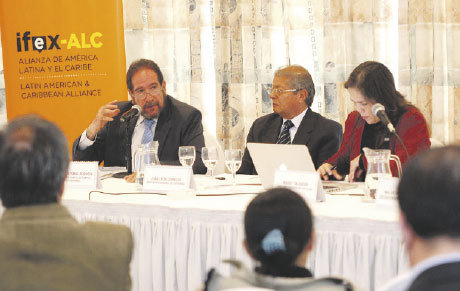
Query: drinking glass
x=233 y=159
x=187 y=155
x=210 y=156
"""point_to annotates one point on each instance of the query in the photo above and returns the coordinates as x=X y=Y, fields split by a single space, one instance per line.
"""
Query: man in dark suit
x=164 y=119
x=42 y=247
x=429 y=199
x=293 y=121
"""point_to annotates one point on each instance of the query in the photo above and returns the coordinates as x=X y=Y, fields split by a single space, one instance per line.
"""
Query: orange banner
x=62 y=59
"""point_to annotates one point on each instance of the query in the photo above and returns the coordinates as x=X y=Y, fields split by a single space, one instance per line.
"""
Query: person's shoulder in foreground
x=245 y=278
x=429 y=200
x=42 y=247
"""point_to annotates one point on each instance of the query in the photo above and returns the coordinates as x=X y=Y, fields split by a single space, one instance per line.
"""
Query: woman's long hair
x=278 y=210
x=376 y=82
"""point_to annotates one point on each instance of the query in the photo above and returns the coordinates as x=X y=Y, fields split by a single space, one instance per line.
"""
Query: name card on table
x=167 y=178
x=307 y=184
x=83 y=175
x=386 y=193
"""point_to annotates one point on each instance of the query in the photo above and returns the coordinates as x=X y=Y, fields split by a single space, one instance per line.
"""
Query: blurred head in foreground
x=279 y=229
x=34 y=159
x=429 y=199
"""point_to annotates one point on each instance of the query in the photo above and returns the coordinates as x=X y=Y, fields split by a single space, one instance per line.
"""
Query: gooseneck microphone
x=379 y=110
x=134 y=111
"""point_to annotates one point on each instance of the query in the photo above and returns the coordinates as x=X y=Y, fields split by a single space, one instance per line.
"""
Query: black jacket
x=322 y=136
x=179 y=124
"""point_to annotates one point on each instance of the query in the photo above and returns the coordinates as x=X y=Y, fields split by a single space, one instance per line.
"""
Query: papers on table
x=214 y=186
x=108 y=172
x=343 y=188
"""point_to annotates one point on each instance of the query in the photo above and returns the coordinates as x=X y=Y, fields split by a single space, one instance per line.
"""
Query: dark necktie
x=285 y=136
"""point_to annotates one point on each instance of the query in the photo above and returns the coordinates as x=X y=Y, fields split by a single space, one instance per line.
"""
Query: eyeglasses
x=141 y=93
x=277 y=91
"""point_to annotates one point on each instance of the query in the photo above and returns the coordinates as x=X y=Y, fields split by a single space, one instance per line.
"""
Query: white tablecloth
x=177 y=242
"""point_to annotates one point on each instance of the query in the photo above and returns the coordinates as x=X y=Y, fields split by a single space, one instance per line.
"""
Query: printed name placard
x=307 y=184
x=83 y=175
x=165 y=178
x=386 y=193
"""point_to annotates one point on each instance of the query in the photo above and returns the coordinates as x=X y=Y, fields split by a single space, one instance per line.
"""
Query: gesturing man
x=170 y=122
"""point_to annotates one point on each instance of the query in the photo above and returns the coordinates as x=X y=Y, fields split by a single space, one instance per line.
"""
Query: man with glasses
x=164 y=119
x=293 y=121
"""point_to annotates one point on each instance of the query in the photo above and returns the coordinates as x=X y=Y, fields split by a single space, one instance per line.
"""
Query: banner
x=62 y=59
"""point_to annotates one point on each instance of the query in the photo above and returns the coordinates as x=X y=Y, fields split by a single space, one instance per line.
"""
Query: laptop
x=268 y=158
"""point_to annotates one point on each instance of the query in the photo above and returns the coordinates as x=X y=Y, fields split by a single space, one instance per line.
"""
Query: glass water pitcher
x=378 y=166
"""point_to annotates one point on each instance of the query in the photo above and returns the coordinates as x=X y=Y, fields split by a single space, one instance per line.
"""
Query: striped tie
x=148 y=134
x=285 y=137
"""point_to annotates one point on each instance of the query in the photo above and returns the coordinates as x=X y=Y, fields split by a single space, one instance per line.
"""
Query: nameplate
x=305 y=183
x=83 y=175
x=167 y=178
x=386 y=193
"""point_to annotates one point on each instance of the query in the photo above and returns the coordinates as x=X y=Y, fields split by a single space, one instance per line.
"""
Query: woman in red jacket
x=370 y=83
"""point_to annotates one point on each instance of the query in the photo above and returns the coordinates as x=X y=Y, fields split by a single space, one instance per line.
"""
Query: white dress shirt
x=296 y=121
x=405 y=280
x=135 y=141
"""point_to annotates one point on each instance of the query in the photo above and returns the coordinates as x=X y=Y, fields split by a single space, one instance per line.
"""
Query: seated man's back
x=42 y=247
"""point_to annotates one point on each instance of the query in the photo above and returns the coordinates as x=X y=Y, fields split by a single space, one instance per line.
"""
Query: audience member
x=42 y=247
x=279 y=235
x=429 y=199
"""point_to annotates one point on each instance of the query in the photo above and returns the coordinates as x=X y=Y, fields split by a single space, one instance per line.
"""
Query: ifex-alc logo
x=49 y=42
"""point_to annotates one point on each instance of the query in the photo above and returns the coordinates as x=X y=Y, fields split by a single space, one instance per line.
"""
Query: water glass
x=233 y=159
x=187 y=155
x=210 y=156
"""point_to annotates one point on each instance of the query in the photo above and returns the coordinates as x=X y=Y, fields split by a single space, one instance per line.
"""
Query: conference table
x=178 y=239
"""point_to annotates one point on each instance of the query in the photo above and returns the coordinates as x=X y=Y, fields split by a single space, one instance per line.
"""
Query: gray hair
x=300 y=79
x=34 y=159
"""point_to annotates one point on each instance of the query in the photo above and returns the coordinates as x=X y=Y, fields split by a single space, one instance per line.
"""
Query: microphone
x=379 y=110
x=134 y=111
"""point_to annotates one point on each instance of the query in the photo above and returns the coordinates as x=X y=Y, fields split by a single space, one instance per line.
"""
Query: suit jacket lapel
x=163 y=126
x=307 y=125
x=273 y=130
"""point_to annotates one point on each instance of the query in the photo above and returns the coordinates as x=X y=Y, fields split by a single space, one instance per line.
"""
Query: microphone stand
x=127 y=154
x=402 y=143
x=128 y=158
